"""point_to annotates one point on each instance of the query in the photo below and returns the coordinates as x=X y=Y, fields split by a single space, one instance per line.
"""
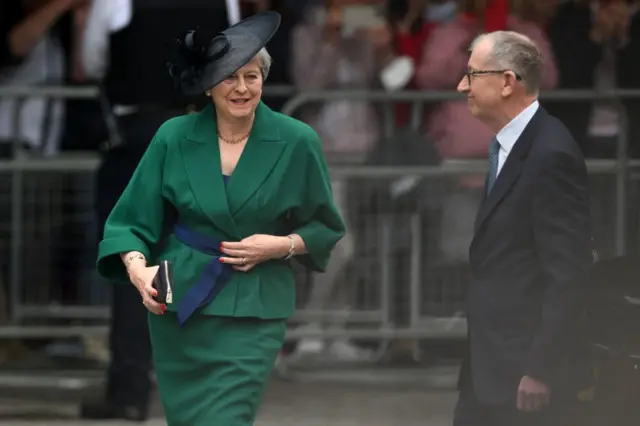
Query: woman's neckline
x=235 y=128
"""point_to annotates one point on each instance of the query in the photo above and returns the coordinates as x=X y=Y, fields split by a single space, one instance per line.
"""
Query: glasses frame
x=472 y=73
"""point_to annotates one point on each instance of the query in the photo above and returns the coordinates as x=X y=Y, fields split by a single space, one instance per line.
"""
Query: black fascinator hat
x=202 y=62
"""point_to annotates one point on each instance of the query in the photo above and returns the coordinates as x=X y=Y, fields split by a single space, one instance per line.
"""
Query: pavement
x=365 y=397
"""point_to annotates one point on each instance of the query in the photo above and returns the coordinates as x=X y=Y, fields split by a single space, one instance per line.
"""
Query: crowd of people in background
x=587 y=44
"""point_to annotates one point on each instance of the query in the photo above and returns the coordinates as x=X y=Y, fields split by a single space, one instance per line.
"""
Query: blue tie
x=213 y=276
x=494 y=149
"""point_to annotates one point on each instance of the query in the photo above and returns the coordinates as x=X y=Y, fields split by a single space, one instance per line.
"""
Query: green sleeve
x=318 y=222
x=135 y=223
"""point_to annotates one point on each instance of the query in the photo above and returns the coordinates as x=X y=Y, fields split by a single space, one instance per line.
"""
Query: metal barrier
x=428 y=319
x=450 y=323
x=16 y=168
x=428 y=316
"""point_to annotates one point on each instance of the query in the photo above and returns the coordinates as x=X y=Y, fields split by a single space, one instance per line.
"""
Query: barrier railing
x=17 y=167
x=380 y=281
x=377 y=319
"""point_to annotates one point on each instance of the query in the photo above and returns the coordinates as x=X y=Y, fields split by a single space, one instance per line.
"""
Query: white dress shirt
x=509 y=134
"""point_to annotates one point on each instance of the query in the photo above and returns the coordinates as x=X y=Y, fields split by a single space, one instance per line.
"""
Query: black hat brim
x=243 y=42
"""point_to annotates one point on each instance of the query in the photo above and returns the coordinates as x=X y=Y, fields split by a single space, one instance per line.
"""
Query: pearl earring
x=208 y=93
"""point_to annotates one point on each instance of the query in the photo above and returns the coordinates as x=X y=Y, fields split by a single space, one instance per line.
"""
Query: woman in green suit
x=229 y=196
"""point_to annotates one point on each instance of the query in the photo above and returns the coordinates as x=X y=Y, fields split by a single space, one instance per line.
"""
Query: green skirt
x=213 y=370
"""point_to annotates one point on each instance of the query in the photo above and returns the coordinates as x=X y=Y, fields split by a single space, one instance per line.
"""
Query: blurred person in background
x=126 y=48
x=328 y=53
x=230 y=195
x=597 y=46
x=34 y=50
x=455 y=132
x=83 y=130
x=399 y=201
x=411 y=23
x=37 y=47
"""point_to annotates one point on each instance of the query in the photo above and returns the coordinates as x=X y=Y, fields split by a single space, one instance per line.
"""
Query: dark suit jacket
x=531 y=243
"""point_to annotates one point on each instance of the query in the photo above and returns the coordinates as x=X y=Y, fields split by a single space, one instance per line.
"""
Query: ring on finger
x=244 y=261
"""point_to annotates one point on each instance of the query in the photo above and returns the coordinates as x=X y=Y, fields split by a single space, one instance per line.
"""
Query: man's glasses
x=486 y=72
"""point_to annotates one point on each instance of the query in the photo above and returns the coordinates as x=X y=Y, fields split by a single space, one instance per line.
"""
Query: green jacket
x=280 y=185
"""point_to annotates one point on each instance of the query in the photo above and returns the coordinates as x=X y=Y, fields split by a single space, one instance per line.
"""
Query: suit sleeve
x=317 y=220
x=563 y=239
x=136 y=221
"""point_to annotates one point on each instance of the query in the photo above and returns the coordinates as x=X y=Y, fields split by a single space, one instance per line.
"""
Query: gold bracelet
x=292 y=248
x=131 y=258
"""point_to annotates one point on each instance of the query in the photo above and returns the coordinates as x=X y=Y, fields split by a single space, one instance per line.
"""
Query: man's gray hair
x=518 y=53
x=264 y=59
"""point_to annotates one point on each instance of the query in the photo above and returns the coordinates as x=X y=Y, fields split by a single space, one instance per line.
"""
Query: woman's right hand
x=142 y=278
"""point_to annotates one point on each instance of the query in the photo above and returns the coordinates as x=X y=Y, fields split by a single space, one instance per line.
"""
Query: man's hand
x=533 y=395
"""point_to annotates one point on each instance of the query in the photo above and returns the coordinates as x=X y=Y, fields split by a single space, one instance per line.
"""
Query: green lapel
x=201 y=159
x=260 y=155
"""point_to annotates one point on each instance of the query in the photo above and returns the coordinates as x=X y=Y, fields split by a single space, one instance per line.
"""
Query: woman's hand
x=142 y=278
x=253 y=250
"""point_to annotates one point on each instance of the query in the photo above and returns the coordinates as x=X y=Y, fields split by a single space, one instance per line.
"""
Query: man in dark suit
x=532 y=242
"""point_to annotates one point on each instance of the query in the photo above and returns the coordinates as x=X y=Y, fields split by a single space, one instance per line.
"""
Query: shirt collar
x=509 y=134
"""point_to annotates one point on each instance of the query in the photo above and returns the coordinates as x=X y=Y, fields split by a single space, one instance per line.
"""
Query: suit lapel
x=510 y=170
x=261 y=153
x=201 y=159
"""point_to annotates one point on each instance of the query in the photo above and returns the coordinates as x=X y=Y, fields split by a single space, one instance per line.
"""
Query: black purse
x=163 y=283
